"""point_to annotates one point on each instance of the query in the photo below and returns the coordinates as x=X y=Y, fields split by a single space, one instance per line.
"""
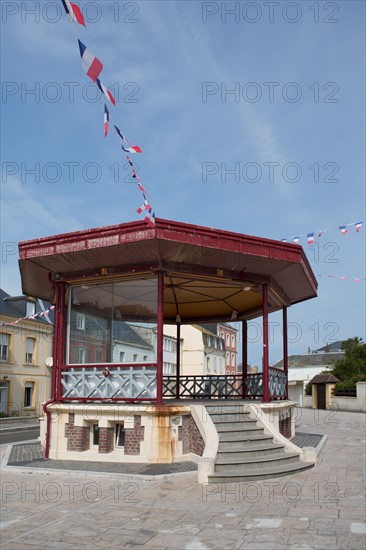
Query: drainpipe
x=48 y=426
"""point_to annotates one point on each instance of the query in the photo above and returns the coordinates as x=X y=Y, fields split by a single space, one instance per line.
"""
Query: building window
x=169 y=345
x=122 y=356
x=99 y=355
x=120 y=435
x=169 y=368
x=145 y=358
x=227 y=358
x=233 y=341
x=30 y=345
x=80 y=321
x=30 y=308
x=222 y=335
x=80 y=354
x=95 y=434
x=28 y=394
x=233 y=359
x=4 y=347
x=228 y=340
x=135 y=357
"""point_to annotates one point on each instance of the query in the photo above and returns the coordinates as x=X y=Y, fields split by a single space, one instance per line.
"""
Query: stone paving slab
x=321 y=508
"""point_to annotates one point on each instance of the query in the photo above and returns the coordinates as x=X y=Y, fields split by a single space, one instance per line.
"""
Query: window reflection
x=113 y=322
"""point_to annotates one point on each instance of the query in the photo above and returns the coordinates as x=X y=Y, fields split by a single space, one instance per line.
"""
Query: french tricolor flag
x=310 y=238
x=74 y=11
x=296 y=239
x=132 y=149
x=358 y=226
x=343 y=229
x=106 y=120
x=150 y=218
x=105 y=91
x=145 y=206
x=91 y=64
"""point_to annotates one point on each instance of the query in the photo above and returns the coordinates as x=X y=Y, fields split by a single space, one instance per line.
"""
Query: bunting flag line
x=131 y=148
x=93 y=68
x=342 y=277
x=105 y=91
x=310 y=238
x=38 y=314
x=145 y=206
x=91 y=64
x=74 y=12
x=106 y=120
x=311 y=235
x=358 y=226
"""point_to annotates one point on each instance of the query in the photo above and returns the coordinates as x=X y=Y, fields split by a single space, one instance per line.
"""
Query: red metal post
x=285 y=347
x=54 y=345
x=60 y=312
x=178 y=362
x=244 y=345
x=266 y=396
x=159 y=373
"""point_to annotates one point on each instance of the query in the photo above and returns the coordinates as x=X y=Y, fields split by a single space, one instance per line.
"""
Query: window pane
x=95 y=434
x=113 y=322
x=120 y=435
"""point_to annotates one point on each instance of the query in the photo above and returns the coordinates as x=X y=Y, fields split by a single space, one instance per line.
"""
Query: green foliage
x=309 y=389
x=352 y=368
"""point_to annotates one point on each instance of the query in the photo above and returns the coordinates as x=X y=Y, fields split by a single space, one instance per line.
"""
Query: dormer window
x=30 y=308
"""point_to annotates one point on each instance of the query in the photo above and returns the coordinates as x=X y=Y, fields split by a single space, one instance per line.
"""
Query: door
x=3 y=397
x=321 y=396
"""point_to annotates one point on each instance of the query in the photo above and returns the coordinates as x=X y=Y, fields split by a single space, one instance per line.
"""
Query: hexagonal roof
x=209 y=273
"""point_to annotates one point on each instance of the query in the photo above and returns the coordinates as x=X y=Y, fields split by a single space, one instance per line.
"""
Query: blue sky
x=296 y=108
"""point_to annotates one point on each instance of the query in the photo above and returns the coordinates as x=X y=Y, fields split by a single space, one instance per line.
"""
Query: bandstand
x=173 y=273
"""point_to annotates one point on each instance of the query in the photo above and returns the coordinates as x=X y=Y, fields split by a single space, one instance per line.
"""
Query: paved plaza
x=320 y=508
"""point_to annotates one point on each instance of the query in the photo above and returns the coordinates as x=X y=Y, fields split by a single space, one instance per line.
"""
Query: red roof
x=197 y=261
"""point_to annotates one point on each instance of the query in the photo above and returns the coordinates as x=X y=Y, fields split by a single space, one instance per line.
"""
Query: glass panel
x=113 y=322
x=120 y=435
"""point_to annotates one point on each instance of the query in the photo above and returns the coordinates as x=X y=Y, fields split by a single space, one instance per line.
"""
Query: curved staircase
x=245 y=453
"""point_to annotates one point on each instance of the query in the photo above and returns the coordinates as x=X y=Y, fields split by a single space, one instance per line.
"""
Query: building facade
x=25 y=347
x=303 y=367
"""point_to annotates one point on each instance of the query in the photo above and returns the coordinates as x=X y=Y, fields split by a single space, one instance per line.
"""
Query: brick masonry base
x=78 y=437
x=285 y=427
x=106 y=440
x=133 y=437
x=190 y=436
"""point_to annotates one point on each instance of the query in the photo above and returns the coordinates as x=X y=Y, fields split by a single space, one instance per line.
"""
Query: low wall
x=351 y=404
x=123 y=433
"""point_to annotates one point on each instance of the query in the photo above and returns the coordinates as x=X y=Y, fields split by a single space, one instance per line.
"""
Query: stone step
x=248 y=425
x=226 y=408
x=229 y=476
x=230 y=417
x=240 y=436
x=239 y=443
x=248 y=450
x=255 y=463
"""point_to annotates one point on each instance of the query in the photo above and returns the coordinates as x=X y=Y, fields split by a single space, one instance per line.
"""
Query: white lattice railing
x=109 y=383
x=277 y=383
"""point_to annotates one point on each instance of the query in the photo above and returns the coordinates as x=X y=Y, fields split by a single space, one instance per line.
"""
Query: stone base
x=123 y=433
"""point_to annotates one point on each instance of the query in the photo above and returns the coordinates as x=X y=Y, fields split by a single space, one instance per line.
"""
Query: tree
x=352 y=368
